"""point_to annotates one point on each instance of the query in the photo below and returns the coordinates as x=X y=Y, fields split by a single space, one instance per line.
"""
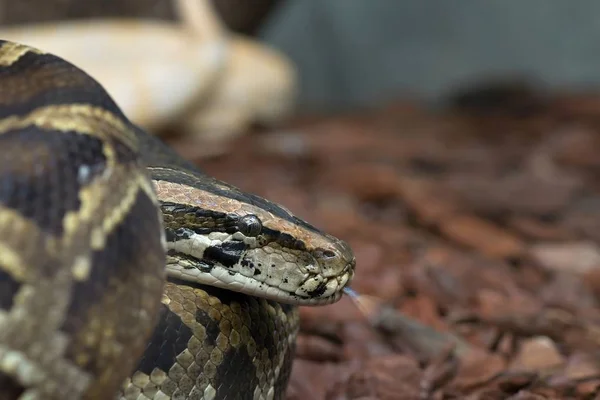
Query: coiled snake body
x=92 y=209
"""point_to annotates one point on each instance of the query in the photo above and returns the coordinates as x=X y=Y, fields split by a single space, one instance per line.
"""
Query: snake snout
x=337 y=257
x=337 y=262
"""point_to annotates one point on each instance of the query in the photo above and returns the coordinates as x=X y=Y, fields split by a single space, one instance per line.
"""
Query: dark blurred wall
x=354 y=52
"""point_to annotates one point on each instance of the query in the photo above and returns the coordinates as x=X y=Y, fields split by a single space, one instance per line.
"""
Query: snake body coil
x=127 y=273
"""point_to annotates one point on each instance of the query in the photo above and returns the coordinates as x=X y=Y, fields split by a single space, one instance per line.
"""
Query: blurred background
x=454 y=145
x=352 y=53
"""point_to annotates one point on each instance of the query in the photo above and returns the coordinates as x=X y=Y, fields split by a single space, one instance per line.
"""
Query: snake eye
x=250 y=225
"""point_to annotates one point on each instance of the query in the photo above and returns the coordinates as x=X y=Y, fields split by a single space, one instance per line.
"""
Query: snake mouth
x=325 y=292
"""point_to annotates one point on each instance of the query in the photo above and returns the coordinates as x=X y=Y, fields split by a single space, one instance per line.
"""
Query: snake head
x=241 y=242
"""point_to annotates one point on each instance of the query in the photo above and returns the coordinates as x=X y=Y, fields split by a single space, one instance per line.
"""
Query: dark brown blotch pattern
x=37 y=80
x=110 y=310
x=235 y=342
x=42 y=173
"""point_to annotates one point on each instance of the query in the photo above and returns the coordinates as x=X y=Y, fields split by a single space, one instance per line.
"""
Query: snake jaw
x=271 y=271
x=222 y=278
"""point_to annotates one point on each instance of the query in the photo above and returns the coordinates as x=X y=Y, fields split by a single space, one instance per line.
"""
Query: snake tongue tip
x=351 y=292
x=368 y=305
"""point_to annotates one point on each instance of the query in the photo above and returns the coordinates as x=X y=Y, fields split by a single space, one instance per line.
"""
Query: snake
x=128 y=273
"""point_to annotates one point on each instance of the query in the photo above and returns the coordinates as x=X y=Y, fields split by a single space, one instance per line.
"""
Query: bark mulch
x=476 y=228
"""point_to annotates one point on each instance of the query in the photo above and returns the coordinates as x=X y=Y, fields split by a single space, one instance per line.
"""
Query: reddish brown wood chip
x=483 y=236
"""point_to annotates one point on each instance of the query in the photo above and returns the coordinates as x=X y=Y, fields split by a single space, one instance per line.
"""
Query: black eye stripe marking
x=284 y=239
x=227 y=254
x=203 y=222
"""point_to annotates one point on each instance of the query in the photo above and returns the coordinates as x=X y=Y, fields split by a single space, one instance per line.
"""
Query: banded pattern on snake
x=127 y=273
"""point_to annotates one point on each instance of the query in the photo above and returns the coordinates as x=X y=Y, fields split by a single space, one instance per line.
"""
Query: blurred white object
x=258 y=85
x=193 y=75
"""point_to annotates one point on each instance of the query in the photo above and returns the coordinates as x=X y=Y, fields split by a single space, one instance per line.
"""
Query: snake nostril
x=328 y=254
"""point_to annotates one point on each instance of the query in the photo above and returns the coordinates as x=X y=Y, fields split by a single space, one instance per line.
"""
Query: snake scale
x=127 y=273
